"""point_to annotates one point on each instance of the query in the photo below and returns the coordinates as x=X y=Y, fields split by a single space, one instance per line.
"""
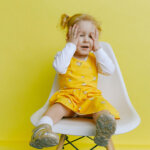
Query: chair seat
x=75 y=126
x=86 y=127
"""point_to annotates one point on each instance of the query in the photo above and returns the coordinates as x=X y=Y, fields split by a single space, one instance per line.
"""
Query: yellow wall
x=29 y=39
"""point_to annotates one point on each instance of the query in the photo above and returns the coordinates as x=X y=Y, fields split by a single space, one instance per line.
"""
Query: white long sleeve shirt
x=63 y=58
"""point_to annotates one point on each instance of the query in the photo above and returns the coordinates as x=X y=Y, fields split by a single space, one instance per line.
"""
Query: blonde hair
x=67 y=21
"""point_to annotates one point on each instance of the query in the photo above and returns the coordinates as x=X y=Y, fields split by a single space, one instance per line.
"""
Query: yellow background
x=29 y=39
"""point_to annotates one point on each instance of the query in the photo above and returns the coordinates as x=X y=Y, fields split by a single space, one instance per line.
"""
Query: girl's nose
x=86 y=38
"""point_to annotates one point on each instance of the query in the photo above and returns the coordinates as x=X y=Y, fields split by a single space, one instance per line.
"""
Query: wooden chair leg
x=110 y=145
x=61 y=142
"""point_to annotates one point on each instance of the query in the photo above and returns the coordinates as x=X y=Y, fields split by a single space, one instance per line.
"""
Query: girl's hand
x=73 y=34
x=95 y=37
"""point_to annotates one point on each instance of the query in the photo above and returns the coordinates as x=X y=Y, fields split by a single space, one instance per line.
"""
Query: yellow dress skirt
x=78 y=89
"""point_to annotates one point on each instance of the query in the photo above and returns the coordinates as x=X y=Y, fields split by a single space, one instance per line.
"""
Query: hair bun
x=64 y=20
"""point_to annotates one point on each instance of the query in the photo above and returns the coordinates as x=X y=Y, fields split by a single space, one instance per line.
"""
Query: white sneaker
x=43 y=137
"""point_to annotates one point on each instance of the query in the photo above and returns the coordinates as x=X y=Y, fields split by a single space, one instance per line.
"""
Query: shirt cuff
x=71 y=45
x=100 y=55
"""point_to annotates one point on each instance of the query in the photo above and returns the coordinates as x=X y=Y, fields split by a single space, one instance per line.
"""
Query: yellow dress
x=78 y=88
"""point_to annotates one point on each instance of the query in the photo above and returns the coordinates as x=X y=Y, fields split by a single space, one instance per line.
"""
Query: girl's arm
x=63 y=58
x=103 y=62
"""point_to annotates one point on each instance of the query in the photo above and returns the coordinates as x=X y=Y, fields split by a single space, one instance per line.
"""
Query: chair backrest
x=113 y=89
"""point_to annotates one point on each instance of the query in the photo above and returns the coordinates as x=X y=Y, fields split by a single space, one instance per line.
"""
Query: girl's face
x=85 y=42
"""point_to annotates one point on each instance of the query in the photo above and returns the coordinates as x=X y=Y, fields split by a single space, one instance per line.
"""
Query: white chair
x=113 y=89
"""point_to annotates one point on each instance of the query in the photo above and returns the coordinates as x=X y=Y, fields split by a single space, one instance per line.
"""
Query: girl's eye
x=81 y=35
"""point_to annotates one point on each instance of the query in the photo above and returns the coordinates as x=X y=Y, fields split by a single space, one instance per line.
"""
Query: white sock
x=46 y=120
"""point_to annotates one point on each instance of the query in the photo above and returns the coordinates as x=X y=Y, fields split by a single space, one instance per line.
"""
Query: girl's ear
x=92 y=35
x=96 y=33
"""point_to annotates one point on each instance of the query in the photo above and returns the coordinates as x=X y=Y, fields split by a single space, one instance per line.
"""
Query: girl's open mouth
x=84 y=47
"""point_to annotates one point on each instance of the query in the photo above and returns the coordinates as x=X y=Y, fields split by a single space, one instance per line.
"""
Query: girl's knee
x=97 y=114
x=63 y=109
x=102 y=111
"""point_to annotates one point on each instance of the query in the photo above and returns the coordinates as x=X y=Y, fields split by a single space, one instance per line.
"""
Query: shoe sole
x=44 y=142
x=105 y=128
x=48 y=141
x=35 y=145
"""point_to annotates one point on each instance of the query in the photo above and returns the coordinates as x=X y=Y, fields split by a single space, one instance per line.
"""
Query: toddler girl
x=78 y=65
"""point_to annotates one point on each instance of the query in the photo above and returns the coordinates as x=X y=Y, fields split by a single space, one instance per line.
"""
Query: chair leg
x=61 y=142
x=110 y=145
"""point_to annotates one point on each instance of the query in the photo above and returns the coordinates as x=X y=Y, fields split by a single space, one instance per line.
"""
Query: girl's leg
x=42 y=134
x=96 y=115
x=57 y=112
